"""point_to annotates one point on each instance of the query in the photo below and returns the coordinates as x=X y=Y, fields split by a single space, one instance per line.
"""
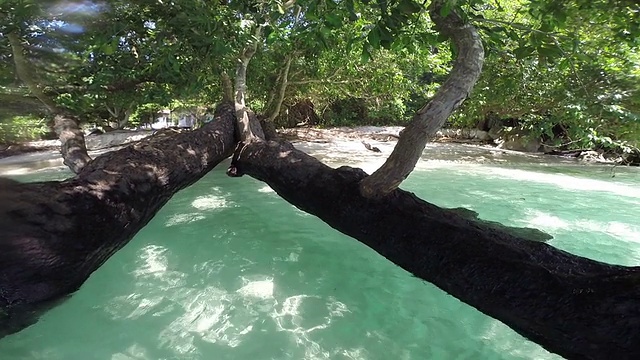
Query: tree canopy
x=548 y=63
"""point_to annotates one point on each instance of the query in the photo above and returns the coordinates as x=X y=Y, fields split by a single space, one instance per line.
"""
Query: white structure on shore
x=163 y=120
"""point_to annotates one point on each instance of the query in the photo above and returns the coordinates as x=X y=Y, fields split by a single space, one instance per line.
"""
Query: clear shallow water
x=228 y=270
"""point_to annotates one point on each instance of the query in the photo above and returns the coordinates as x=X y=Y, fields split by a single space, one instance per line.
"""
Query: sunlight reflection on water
x=228 y=270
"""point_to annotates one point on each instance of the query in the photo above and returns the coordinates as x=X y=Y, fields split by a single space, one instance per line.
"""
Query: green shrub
x=346 y=112
x=389 y=112
x=22 y=128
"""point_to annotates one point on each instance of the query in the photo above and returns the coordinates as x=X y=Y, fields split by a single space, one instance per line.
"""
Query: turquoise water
x=228 y=270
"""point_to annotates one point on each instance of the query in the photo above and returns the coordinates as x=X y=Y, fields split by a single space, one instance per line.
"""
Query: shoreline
x=45 y=154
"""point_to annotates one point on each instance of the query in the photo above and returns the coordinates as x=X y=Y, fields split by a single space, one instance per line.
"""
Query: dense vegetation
x=564 y=72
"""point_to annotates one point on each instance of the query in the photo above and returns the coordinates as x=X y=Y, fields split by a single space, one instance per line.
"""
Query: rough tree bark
x=427 y=121
x=53 y=235
x=576 y=307
x=245 y=130
x=227 y=88
x=73 y=148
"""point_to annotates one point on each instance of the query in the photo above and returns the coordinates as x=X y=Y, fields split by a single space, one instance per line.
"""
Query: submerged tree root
x=576 y=307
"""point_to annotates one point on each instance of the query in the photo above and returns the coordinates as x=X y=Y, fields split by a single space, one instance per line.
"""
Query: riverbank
x=473 y=137
x=22 y=158
x=93 y=142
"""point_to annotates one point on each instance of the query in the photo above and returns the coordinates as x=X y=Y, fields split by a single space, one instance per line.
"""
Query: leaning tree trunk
x=576 y=307
x=246 y=131
x=53 y=235
x=428 y=120
x=227 y=88
x=274 y=105
x=72 y=145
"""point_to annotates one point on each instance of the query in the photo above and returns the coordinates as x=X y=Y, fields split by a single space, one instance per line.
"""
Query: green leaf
x=442 y=37
x=334 y=21
x=352 y=11
x=561 y=16
x=107 y=49
x=454 y=49
x=583 y=57
x=322 y=39
x=523 y=52
x=409 y=7
x=538 y=39
x=349 y=45
x=220 y=48
x=513 y=35
x=386 y=37
x=271 y=37
x=550 y=52
x=446 y=8
x=365 y=56
x=374 y=37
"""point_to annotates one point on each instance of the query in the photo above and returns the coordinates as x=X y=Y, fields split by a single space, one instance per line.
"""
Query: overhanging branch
x=427 y=121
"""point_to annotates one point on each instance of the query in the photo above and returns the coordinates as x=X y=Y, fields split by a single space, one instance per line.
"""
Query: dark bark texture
x=72 y=146
x=573 y=306
x=53 y=235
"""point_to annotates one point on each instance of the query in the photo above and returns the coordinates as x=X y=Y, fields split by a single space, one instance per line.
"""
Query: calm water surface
x=228 y=270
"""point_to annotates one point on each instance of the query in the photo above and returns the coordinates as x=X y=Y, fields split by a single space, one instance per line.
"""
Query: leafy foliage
x=558 y=71
x=22 y=128
x=567 y=70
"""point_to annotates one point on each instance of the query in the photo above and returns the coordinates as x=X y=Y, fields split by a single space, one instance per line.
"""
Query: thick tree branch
x=119 y=86
x=54 y=234
x=72 y=145
x=282 y=89
x=227 y=88
x=125 y=119
x=432 y=116
x=245 y=130
x=274 y=90
x=115 y=112
x=576 y=307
